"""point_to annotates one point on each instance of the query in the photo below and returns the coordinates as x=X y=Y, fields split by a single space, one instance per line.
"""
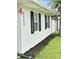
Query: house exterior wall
x=26 y=40
x=53 y=26
x=18 y=33
x=58 y=24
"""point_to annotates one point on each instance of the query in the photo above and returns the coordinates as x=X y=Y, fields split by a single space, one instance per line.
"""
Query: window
x=35 y=22
x=39 y=22
x=47 y=21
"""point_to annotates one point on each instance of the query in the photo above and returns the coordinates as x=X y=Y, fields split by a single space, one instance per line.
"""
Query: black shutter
x=45 y=21
x=39 y=22
x=32 y=21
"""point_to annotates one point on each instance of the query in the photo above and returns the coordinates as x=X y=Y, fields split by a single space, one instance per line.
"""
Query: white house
x=34 y=24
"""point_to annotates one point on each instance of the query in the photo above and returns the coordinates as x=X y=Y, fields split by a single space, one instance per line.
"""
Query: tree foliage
x=56 y=2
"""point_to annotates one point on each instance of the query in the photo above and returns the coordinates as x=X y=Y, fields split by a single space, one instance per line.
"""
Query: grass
x=52 y=50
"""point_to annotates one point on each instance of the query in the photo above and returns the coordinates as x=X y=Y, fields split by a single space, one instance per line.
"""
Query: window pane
x=35 y=21
x=48 y=21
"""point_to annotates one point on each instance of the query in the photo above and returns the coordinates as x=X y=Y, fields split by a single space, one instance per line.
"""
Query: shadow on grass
x=55 y=34
x=35 y=50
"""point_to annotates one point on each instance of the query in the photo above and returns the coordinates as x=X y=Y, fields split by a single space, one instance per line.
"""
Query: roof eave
x=34 y=5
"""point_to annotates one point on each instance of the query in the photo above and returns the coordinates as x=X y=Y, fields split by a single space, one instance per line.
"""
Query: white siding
x=19 y=33
x=53 y=26
x=29 y=40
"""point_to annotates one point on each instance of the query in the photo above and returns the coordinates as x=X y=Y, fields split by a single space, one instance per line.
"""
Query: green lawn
x=52 y=50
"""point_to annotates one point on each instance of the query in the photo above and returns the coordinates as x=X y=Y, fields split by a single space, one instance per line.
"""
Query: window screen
x=48 y=21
